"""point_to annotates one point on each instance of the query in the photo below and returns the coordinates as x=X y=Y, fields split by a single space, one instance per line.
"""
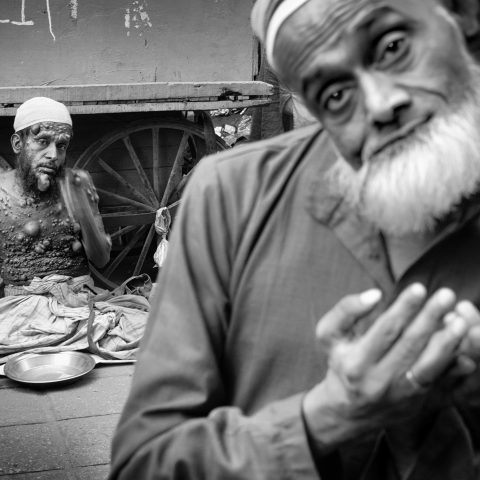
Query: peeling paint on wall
x=73 y=4
x=136 y=16
x=49 y=19
x=22 y=21
x=184 y=37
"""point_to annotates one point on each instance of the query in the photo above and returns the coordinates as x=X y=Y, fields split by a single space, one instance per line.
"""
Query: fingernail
x=445 y=296
x=458 y=326
x=449 y=318
x=418 y=289
x=370 y=297
x=466 y=308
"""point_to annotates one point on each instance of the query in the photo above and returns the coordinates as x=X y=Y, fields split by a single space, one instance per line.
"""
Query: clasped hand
x=383 y=376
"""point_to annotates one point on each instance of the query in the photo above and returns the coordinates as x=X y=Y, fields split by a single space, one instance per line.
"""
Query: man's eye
x=336 y=100
x=391 y=47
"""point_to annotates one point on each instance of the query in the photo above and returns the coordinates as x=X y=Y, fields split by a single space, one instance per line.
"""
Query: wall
x=72 y=42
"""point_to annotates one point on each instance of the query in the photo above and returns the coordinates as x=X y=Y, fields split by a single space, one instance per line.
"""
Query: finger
x=440 y=352
x=337 y=321
x=471 y=344
x=389 y=326
x=469 y=312
x=474 y=338
x=462 y=367
x=415 y=337
x=429 y=319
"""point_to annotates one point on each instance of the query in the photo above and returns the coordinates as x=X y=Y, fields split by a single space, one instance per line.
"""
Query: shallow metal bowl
x=49 y=368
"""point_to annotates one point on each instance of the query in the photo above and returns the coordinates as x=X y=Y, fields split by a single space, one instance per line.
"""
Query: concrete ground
x=63 y=432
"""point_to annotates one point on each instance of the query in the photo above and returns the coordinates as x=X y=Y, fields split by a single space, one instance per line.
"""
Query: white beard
x=408 y=189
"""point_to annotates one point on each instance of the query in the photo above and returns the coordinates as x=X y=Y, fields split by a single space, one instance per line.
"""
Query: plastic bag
x=162 y=227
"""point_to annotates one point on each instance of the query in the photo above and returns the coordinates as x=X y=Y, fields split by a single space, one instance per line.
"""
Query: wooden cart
x=139 y=78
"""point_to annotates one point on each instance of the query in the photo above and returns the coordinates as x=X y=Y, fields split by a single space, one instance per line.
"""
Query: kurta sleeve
x=178 y=423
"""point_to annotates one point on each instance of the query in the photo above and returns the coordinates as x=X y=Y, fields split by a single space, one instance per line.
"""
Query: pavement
x=63 y=432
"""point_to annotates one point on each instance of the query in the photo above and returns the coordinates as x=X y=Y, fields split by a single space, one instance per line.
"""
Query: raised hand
x=81 y=199
x=383 y=376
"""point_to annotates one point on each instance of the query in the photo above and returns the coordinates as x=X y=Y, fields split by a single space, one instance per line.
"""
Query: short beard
x=409 y=189
x=29 y=179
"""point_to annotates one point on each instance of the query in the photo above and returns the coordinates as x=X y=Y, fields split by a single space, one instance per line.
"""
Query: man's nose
x=52 y=151
x=384 y=99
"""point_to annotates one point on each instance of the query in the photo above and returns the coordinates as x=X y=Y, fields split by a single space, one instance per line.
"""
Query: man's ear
x=16 y=142
x=467 y=13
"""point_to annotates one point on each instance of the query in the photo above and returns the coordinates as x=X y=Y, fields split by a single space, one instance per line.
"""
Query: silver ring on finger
x=415 y=383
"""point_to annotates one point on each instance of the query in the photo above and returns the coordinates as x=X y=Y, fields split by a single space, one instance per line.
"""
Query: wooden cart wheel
x=138 y=169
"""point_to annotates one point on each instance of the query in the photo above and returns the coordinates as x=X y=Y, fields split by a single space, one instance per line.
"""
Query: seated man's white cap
x=40 y=109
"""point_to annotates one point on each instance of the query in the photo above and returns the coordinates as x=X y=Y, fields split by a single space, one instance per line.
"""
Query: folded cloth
x=52 y=315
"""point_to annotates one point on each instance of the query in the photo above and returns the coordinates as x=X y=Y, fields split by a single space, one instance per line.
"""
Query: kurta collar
x=362 y=241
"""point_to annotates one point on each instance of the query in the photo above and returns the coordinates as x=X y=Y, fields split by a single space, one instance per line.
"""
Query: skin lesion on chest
x=37 y=240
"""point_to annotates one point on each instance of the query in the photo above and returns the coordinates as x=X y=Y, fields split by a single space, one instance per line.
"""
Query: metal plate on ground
x=44 y=369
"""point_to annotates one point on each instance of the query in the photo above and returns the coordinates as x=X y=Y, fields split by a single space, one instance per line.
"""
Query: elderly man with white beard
x=317 y=316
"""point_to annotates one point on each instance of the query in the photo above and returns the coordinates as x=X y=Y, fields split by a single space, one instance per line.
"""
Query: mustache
x=48 y=167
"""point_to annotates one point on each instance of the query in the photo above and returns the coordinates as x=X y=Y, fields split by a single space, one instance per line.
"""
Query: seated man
x=44 y=251
x=261 y=359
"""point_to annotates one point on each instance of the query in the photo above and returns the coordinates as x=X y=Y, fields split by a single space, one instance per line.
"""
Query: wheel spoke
x=107 y=168
x=193 y=149
x=176 y=171
x=141 y=172
x=123 y=160
x=120 y=257
x=123 y=199
x=174 y=204
x=156 y=161
x=144 y=252
x=182 y=183
x=123 y=231
x=124 y=218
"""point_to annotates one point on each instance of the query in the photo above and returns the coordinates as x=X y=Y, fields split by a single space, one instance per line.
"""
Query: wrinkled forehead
x=320 y=25
x=334 y=17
